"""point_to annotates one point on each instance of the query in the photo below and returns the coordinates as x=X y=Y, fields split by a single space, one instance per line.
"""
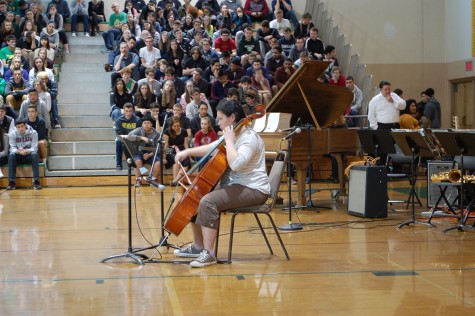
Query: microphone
x=298 y=122
x=297 y=130
x=154 y=183
x=287 y=129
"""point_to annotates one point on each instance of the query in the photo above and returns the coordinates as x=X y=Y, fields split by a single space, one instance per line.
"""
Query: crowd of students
x=30 y=38
x=174 y=62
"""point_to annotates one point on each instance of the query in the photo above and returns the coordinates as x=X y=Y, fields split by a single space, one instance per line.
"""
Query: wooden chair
x=275 y=177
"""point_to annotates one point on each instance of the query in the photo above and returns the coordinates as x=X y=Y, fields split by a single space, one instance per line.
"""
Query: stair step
x=82 y=134
x=82 y=98
x=92 y=68
x=71 y=87
x=79 y=59
x=89 y=162
x=84 y=109
x=86 y=121
x=81 y=148
x=87 y=51
x=87 y=173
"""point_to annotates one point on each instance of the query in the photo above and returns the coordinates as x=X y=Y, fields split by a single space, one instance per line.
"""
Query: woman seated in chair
x=244 y=183
x=176 y=139
x=409 y=118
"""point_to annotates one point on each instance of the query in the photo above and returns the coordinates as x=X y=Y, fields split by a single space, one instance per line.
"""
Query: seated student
x=199 y=82
x=279 y=23
x=235 y=71
x=258 y=10
x=409 y=117
x=7 y=52
x=303 y=27
x=219 y=90
x=39 y=126
x=282 y=75
x=7 y=123
x=203 y=111
x=118 y=98
x=206 y=135
x=130 y=84
x=154 y=84
x=274 y=62
x=176 y=139
x=191 y=64
x=246 y=84
x=142 y=100
x=297 y=49
x=42 y=110
x=24 y=150
x=16 y=92
x=145 y=136
x=166 y=99
x=264 y=36
x=123 y=125
x=337 y=79
x=248 y=43
x=53 y=91
x=4 y=147
x=287 y=42
x=79 y=12
x=262 y=85
x=250 y=106
x=197 y=98
x=16 y=64
x=178 y=113
x=95 y=11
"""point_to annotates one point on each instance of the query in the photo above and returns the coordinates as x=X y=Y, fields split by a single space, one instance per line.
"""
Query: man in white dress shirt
x=383 y=109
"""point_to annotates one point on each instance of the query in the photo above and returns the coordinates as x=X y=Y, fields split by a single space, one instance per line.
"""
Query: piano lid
x=305 y=97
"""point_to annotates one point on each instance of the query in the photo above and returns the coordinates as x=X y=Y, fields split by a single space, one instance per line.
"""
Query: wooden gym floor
x=52 y=242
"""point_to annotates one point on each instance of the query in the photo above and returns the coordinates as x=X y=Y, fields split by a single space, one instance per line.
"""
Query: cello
x=205 y=181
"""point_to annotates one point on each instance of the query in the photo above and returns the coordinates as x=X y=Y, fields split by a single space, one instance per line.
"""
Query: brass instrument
x=453 y=176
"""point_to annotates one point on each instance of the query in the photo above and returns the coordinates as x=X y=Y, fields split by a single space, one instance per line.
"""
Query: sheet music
x=272 y=122
x=260 y=124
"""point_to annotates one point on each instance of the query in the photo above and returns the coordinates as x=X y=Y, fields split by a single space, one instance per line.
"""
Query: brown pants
x=226 y=198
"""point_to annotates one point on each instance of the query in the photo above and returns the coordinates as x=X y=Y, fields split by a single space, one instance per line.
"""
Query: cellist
x=244 y=183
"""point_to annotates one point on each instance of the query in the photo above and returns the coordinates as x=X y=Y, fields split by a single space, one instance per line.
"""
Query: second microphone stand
x=290 y=225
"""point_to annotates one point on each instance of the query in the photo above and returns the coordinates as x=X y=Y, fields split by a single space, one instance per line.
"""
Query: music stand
x=459 y=143
x=376 y=142
x=412 y=143
x=130 y=251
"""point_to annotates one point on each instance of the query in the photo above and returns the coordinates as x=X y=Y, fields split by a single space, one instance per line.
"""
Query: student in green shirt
x=116 y=19
x=6 y=53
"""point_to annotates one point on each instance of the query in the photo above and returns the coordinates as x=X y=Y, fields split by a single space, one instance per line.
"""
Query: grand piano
x=318 y=104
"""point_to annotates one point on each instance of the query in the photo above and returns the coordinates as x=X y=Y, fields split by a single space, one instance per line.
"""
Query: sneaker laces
x=204 y=255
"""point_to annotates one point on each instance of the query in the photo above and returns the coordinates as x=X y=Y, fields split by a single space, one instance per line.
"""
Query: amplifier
x=367 y=192
x=433 y=192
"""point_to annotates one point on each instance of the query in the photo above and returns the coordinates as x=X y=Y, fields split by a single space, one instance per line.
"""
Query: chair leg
x=278 y=236
x=217 y=238
x=263 y=234
x=231 y=237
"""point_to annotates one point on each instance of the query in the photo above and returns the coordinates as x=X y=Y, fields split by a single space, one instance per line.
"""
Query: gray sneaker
x=205 y=259
x=188 y=252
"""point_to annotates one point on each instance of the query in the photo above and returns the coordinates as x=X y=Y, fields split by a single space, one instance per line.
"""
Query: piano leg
x=301 y=169
x=342 y=164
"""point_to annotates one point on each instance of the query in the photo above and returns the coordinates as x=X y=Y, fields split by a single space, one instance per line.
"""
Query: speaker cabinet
x=433 y=192
x=368 y=195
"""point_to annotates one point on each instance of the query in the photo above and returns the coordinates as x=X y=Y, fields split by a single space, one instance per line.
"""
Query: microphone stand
x=159 y=154
x=290 y=226
x=130 y=252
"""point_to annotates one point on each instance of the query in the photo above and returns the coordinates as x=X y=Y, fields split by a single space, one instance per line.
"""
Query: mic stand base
x=290 y=227
x=138 y=258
